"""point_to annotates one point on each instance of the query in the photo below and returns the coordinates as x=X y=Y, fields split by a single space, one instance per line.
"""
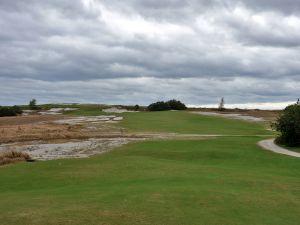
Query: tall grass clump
x=12 y=157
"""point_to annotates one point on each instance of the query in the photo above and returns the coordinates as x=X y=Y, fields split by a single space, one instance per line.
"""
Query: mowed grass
x=218 y=181
x=186 y=122
x=211 y=182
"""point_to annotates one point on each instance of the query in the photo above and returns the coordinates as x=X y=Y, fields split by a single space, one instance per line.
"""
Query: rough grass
x=222 y=181
x=12 y=157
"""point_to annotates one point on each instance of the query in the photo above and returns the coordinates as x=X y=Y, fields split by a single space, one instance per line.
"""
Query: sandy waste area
x=232 y=116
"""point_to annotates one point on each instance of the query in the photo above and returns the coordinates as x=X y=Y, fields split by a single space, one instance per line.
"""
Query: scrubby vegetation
x=164 y=106
x=10 y=111
x=12 y=157
x=288 y=124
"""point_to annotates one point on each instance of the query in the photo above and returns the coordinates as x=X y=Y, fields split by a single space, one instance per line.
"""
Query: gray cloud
x=146 y=90
x=57 y=43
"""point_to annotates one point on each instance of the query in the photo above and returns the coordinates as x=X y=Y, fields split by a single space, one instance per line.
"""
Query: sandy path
x=271 y=146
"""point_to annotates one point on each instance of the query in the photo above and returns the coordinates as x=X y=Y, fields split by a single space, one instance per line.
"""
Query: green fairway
x=218 y=181
x=186 y=122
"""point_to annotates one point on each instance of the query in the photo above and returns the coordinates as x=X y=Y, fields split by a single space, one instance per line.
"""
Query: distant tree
x=163 y=106
x=159 y=106
x=176 y=105
x=136 y=108
x=32 y=104
x=221 y=104
x=288 y=124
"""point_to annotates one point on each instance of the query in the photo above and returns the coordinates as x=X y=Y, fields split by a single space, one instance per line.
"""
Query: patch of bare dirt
x=30 y=119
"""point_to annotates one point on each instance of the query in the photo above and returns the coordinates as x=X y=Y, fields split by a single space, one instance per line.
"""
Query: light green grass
x=177 y=121
x=87 y=110
x=211 y=182
x=186 y=122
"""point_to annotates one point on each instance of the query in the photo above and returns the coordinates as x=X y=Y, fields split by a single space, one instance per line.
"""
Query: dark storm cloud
x=60 y=41
x=283 y=6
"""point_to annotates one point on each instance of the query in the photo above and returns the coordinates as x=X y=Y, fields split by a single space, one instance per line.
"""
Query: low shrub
x=10 y=111
x=12 y=157
x=288 y=124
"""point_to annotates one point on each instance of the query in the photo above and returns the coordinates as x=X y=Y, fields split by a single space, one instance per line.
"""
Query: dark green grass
x=222 y=181
x=186 y=122
x=295 y=149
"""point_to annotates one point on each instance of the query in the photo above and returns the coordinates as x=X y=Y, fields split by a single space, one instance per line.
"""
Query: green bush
x=10 y=111
x=288 y=124
x=176 y=105
x=159 y=106
x=169 y=105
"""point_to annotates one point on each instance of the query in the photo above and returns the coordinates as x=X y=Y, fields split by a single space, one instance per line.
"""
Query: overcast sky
x=140 y=51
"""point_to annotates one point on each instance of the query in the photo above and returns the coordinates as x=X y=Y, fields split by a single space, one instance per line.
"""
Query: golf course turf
x=217 y=181
x=186 y=122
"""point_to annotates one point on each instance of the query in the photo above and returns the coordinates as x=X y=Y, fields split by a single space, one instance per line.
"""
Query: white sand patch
x=57 y=111
x=88 y=119
x=116 y=110
x=70 y=109
x=118 y=118
x=49 y=113
x=27 y=112
x=74 y=149
x=232 y=116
